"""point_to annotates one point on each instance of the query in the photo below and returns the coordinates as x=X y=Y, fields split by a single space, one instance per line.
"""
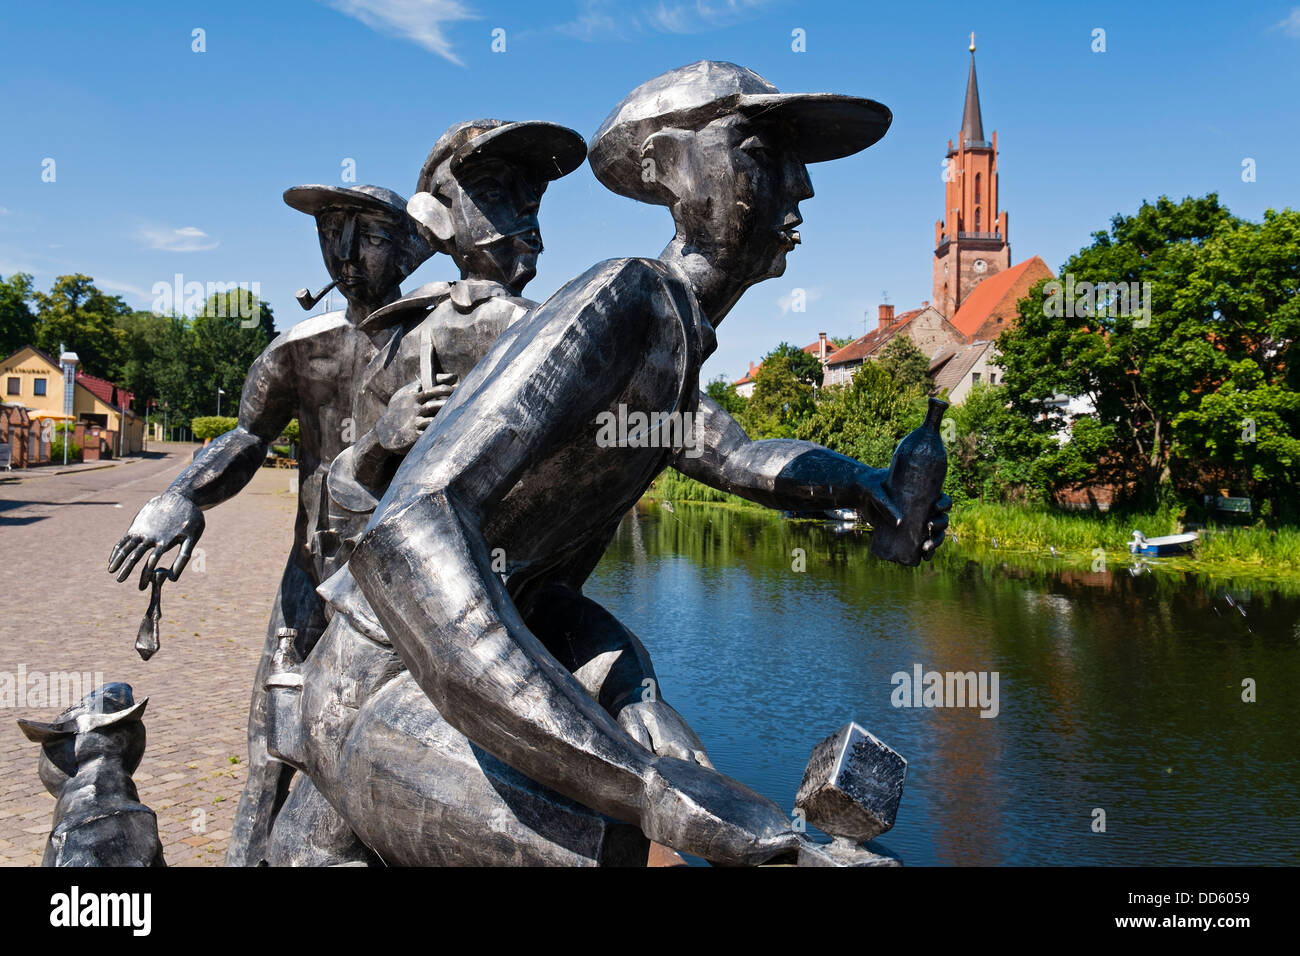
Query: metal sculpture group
x=432 y=668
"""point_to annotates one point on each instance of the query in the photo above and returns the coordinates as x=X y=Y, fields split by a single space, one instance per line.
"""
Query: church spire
x=972 y=124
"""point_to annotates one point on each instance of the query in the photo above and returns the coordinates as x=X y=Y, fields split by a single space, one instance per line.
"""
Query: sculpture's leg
x=309 y=832
x=593 y=645
x=415 y=789
x=267 y=781
x=421 y=794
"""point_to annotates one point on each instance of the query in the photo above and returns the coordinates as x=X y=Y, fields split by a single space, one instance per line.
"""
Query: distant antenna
x=884 y=297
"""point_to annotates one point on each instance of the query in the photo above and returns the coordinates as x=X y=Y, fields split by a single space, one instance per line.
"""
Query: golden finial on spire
x=972 y=41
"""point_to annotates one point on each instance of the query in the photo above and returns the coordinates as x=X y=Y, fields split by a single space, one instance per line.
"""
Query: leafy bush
x=210 y=426
x=56 y=451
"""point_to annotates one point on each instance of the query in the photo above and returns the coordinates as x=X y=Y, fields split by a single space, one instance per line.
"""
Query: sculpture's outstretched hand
x=700 y=811
x=874 y=498
x=168 y=520
x=881 y=509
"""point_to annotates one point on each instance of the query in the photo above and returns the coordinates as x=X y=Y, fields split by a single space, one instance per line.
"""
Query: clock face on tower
x=981 y=266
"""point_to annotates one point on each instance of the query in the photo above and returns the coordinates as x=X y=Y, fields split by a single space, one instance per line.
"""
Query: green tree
x=993 y=454
x=725 y=394
x=1138 y=369
x=135 y=367
x=780 y=400
x=17 y=321
x=77 y=314
x=807 y=368
x=227 y=336
x=905 y=363
x=866 y=418
x=1241 y=418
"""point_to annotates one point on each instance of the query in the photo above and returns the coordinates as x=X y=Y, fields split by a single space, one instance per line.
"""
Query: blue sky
x=168 y=160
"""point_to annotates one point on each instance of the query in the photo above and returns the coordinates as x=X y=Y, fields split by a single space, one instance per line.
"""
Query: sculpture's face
x=495 y=234
x=363 y=251
x=743 y=203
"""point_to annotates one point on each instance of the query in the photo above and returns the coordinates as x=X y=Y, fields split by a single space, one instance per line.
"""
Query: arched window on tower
x=977 y=189
x=977 y=218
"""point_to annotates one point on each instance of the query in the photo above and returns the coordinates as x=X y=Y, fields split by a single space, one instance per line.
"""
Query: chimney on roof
x=886 y=315
x=821 y=346
x=925 y=303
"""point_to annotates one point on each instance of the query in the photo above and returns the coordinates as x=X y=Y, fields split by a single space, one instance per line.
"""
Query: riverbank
x=1083 y=539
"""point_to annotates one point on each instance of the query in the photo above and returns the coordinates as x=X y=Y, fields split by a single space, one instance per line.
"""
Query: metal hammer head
x=853 y=785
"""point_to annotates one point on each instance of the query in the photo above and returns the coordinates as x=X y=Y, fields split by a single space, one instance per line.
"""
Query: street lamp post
x=220 y=391
x=68 y=363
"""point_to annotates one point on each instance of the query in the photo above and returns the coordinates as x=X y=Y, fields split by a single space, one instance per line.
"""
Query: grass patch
x=672 y=485
x=1040 y=528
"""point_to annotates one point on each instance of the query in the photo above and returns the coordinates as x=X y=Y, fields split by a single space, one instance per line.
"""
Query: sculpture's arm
x=426 y=569
x=266 y=406
x=221 y=471
x=779 y=472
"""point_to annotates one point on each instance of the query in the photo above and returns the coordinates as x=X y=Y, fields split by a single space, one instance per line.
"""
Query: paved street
x=61 y=611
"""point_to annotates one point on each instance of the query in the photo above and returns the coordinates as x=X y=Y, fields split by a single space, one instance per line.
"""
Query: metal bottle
x=914 y=484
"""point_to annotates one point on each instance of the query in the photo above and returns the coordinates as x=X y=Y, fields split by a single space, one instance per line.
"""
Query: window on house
x=993 y=378
x=14 y=386
x=38 y=386
x=974 y=378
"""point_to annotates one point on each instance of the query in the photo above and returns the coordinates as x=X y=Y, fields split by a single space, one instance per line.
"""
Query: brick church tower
x=971 y=239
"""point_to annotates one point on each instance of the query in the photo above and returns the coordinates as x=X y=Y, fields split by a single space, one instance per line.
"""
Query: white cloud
x=185 y=239
x=5 y=211
x=599 y=19
x=112 y=285
x=420 y=21
x=1291 y=24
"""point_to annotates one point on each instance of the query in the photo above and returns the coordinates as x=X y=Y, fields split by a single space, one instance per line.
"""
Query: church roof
x=991 y=305
x=972 y=123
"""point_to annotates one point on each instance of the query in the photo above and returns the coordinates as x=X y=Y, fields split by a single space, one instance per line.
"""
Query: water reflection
x=1117 y=692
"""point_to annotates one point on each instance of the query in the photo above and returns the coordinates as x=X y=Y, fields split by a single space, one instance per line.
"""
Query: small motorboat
x=1161 y=547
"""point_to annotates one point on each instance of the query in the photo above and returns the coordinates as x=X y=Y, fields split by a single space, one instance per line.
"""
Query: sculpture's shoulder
x=626 y=286
x=410 y=308
x=327 y=323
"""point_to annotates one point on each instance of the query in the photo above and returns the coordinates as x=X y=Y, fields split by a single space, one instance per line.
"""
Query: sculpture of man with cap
x=369 y=245
x=477 y=199
x=466 y=585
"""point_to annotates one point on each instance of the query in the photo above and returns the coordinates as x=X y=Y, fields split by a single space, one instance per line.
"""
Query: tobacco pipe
x=307 y=300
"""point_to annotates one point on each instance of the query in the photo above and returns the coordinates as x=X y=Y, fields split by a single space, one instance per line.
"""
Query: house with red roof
x=33 y=379
x=925 y=326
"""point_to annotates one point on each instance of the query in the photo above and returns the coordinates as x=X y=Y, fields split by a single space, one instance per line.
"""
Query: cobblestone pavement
x=61 y=611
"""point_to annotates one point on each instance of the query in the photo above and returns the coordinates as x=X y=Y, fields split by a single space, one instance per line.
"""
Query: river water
x=1116 y=695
